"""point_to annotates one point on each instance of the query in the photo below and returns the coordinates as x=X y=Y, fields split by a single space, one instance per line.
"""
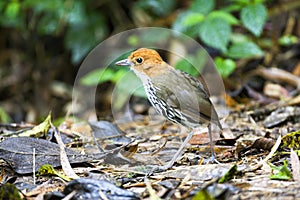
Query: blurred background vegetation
x=43 y=43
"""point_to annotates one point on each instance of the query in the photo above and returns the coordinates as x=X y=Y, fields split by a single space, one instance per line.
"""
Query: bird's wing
x=196 y=83
x=203 y=96
x=189 y=98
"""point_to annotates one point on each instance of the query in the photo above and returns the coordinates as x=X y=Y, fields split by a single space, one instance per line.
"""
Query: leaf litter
x=123 y=157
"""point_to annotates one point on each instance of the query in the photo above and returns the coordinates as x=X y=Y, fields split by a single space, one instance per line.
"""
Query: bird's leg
x=179 y=151
x=212 y=158
x=211 y=142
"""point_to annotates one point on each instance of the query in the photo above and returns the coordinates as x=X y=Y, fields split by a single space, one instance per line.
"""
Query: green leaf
x=215 y=32
x=101 y=75
x=282 y=172
x=243 y=2
x=93 y=78
x=229 y=174
x=192 y=18
x=203 y=194
x=187 y=67
x=232 y=8
x=224 y=15
x=129 y=85
x=254 y=18
x=225 y=66
x=202 y=6
x=118 y=75
x=4 y=117
x=239 y=38
x=288 y=40
x=39 y=130
x=12 y=15
x=182 y=24
x=186 y=64
x=48 y=169
x=12 y=9
x=244 y=50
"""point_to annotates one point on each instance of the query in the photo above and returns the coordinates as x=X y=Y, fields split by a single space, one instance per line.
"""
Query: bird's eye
x=139 y=60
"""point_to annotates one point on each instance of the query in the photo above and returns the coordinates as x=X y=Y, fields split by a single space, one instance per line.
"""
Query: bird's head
x=143 y=60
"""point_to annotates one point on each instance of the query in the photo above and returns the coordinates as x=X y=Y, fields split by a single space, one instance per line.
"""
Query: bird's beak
x=124 y=62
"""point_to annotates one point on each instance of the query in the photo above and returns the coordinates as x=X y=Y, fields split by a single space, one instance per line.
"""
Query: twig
x=70 y=195
x=66 y=166
x=33 y=166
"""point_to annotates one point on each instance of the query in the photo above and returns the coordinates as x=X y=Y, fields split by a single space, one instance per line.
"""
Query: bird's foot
x=156 y=169
x=211 y=160
x=153 y=169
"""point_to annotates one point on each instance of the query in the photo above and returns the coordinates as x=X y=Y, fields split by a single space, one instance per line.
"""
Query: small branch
x=66 y=166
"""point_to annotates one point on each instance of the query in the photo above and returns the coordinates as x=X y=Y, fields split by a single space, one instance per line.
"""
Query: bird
x=174 y=94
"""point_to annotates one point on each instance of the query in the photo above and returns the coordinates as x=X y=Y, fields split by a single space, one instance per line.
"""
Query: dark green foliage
x=84 y=28
x=157 y=7
x=214 y=27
